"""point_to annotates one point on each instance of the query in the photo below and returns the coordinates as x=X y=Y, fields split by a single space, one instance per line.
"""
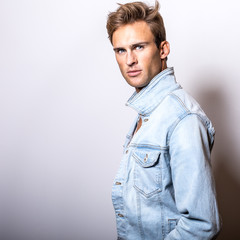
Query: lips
x=134 y=73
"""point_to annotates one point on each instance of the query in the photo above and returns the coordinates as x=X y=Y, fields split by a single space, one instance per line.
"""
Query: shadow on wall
x=228 y=187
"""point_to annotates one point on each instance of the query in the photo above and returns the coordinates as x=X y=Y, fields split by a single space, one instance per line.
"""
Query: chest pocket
x=147 y=171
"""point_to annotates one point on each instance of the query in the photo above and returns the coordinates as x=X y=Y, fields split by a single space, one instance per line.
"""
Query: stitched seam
x=135 y=145
x=149 y=112
x=147 y=195
x=179 y=100
x=180 y=119
x=139 y=217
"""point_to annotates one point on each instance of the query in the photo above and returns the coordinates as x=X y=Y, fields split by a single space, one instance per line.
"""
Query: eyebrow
x=132 y=45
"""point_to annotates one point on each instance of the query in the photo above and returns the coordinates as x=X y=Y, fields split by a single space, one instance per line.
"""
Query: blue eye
x=139 y=47
x=120 y=51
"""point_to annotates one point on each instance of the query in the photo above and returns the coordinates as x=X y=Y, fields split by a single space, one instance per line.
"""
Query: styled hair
x=137 y=11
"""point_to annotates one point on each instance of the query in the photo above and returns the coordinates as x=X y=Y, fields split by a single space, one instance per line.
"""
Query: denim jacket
x=164 y=188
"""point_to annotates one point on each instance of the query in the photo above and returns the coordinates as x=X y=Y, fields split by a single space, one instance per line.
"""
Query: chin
x=136 y=83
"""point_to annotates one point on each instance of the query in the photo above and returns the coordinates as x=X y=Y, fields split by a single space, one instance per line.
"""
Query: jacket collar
x=145 y=101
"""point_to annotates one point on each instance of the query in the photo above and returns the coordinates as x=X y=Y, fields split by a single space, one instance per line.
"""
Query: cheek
x=120 y=62
x=146 y=62
x=155 y=62
x=121 y=65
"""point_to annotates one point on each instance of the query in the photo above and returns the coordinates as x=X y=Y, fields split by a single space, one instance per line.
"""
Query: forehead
x=132 y=33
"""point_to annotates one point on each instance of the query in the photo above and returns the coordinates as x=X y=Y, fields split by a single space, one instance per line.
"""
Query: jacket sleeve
x=194 y=188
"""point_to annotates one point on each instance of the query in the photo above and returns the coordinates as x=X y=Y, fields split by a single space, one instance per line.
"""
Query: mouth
x=134 y=73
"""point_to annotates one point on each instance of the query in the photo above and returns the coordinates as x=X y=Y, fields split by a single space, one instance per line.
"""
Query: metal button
x=120 y=215
x=126 y=151
x=146 y=158
x=117 y=183
x=146 y=119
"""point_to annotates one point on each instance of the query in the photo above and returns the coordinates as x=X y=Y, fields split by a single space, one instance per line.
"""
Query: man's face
x=137 y=55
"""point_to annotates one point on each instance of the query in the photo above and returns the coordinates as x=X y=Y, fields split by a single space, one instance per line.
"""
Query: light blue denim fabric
x=164 y=188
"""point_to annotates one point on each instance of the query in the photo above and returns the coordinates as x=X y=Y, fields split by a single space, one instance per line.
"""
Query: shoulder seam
x=180 y=101
x=180 y=118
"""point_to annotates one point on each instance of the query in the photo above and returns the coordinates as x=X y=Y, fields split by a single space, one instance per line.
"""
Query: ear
x=164 y=49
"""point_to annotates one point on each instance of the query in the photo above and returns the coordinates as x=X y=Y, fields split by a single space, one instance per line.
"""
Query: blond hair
x=137 y=11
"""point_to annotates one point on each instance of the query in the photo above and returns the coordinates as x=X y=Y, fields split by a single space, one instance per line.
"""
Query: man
x=164 y=188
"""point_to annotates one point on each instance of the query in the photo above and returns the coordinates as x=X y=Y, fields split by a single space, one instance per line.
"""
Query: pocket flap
x=146 y=157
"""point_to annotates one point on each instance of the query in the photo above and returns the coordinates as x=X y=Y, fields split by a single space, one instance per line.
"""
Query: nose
x=131 y=59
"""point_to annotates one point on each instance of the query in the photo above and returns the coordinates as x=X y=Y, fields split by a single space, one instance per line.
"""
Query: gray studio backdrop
x=63 y=119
